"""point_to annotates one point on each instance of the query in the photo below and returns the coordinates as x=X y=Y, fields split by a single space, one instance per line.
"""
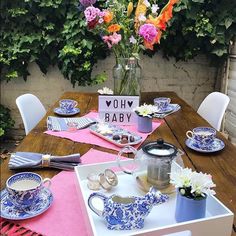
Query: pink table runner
x=64 y=217
x=85 y=136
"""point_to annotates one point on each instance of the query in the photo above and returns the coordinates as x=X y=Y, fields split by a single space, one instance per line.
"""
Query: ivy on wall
x=6 y=122
x=53 y=32
x=201 y=26
x=49 y=32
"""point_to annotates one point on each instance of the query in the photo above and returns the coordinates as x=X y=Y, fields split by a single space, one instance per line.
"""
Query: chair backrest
x=31 y=110
x=213 y=108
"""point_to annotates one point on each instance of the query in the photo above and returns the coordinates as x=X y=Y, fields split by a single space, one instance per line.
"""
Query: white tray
x=161 y=221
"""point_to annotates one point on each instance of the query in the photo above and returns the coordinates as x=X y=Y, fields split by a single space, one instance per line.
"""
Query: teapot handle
x=90 y=202
x=126 y=149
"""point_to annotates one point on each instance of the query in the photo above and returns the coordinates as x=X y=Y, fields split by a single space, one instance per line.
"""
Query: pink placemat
x=65 y=217
x=85 y=136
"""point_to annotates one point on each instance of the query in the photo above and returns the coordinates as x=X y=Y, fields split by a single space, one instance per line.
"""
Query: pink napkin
x=65 y=217
x=85 y=136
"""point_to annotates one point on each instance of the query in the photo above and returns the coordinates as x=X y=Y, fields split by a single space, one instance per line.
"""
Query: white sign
x=118 y=109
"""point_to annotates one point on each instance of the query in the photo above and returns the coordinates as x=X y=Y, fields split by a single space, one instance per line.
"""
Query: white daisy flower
x=182 y=178
x=146 y=110
x=155 y=8
x=105 y=90
x=201 y=184
x=192 y=184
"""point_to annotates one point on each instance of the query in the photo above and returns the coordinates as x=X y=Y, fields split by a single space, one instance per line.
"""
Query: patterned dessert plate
x=10 y=212
x=169 y=108
x=216 y=146
x=60 y=112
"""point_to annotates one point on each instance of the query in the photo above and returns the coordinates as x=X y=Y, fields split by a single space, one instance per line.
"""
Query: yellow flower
x=141 y=9
x=130 y=8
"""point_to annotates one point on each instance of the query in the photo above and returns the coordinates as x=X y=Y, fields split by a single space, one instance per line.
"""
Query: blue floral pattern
x=122 y=216
x=9 y=211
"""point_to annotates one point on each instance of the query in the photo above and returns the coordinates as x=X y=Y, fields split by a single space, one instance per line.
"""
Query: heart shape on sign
x=108 y=103
x=130 y=103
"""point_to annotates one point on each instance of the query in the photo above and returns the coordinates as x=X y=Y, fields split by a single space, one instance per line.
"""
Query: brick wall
x=191 y=80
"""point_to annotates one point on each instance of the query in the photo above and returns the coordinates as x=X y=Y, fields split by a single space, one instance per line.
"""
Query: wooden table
x=220 y=165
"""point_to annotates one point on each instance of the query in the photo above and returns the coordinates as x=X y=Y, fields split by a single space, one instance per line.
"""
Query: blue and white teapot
x=125 y=213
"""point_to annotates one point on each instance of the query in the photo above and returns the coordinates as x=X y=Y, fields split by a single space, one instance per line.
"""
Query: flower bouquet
x=144 y=119
x=127 y=27
x=145 y=110
x=192 y=184
x=105 y=91
x=193 y=189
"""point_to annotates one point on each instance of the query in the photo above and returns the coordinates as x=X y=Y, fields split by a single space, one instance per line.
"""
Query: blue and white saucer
x=10 y=212
x=215 y=146
x=169 y=108
x=60 y=112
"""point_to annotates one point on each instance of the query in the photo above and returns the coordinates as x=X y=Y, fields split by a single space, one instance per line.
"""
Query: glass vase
x=127 y=74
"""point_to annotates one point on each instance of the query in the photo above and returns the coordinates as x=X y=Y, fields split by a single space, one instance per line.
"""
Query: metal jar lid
x=160 y=149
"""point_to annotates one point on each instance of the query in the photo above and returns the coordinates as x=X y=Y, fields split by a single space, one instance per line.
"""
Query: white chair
x=213 y=108
x=31 y=110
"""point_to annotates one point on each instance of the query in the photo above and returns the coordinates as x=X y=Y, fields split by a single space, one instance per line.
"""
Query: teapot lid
x=160 y=149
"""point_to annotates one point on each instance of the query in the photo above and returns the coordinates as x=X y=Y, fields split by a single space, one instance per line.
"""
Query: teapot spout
x=156 y=197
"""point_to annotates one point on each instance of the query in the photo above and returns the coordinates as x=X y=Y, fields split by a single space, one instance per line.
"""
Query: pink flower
x=115 y=38
x=148 y=32
x=112 y=39
x=106 y=39
x=91 y=13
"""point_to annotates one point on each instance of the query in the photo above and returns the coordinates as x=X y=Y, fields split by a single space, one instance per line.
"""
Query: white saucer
x=216 y=146
x=60 y=112
x=169 y=108
x=10 y=212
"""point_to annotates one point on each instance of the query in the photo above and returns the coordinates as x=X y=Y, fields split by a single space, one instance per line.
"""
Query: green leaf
x=219 y=52
x=100 y=78
x=198 y=1
x=228 y=22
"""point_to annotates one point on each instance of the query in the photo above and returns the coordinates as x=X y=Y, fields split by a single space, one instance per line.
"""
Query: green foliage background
x=6 y=121
x=53 y=32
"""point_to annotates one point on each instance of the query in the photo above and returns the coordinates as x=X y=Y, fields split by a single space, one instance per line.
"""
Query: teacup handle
x=48 y=182
x=90 y=202
x=188 y=134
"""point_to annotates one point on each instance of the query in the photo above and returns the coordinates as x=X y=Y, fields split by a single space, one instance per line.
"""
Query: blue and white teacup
x=202 y=136
x=67 y=105
x=162 y=103
x=24 y=188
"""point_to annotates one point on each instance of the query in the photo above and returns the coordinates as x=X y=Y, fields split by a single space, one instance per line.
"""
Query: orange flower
x=113 y=28
x=172 y=2
x=108 y=17
x=167 y=14
x=149 y=45
x=159 y=36
x=158 y=22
